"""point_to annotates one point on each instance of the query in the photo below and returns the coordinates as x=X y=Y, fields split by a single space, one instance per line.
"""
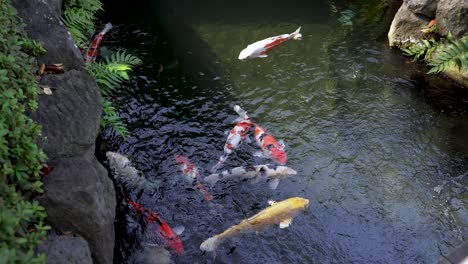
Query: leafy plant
x=78 y=17
x=21 y=220
x=109 y=75
x=454 y=53
x=425 y=49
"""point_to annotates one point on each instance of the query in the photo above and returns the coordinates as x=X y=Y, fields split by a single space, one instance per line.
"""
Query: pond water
x=377 y=158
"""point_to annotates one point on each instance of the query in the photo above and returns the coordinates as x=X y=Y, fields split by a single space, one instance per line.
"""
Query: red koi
x=269 y=145
x=93 y=50
x=171 y=239
x=192 y=175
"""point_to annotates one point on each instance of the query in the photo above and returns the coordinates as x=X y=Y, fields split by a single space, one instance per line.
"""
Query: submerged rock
x=151 y=254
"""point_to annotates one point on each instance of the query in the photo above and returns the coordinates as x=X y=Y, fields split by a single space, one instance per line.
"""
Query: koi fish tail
x=221 y=160
x=296 y=35
x=107 y=27
x=241 y=112
x=210 y=244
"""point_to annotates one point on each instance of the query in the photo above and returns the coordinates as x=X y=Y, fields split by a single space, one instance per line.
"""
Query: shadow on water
x=376 y=155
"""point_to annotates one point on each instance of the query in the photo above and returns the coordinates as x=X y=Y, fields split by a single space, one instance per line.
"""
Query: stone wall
x=78 y=195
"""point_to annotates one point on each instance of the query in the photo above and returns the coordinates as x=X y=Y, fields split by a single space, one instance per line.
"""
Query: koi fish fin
x=281 y=142
x=107 y=27
x=273 y=184
x=178 y=230
x=210 y=244
x=241 y=112
x=271 y=202
x=296 y=35
x=259 y=154
x=263 y=56
x=285 y=223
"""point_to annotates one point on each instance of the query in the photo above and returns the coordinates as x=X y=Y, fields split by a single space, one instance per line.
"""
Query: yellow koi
x=277 y=213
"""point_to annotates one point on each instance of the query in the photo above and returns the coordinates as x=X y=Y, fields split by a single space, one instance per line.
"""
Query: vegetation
x=79 y=17
x=21 y=220
x=441 y=54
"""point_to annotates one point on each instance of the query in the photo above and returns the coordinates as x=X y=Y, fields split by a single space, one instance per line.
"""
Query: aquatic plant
x=109 y=75
x=454 y=53
x=426 y=48
x=21 y=220
x=79 y=17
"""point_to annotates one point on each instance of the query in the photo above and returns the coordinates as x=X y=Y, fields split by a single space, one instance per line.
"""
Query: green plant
x=454 y=53
x=109 y=75
x=79 y=16
x=417 y=50
x=21 y=220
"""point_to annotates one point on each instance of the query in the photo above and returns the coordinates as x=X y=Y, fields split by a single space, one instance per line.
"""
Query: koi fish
x=260 y=48
x=170 y=236
x=192 y=175
x=124 y=173
x=280 y=213
x=235 y=138
x=93 y=49
x=271 y=148
x=271 y=173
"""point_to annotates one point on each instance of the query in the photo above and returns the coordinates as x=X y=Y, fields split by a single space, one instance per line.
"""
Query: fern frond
x=111 y=118
x=121 y=58
x=454 y=53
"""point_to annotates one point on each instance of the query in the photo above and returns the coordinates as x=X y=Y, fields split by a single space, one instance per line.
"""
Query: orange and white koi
x=93 y=50
x=170 y=236
x=260 y=48
x=192 y=175
x=235 y=138
x=271 y=148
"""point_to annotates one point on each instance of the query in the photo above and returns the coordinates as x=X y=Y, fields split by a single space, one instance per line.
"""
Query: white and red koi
x=271 y=148
x=192 y=175
x=93 y=49
x=260 y=48
x=170 y=236
x=235 y=138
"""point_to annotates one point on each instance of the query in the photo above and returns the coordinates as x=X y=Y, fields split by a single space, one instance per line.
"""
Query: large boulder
x=422 y=7
x=452 y=16
x=70 y=116
x=79 y=197
x=65 y=249
x=406 y=27
x=42 y=19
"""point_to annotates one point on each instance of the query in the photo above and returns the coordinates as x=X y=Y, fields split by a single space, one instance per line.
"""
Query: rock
x=452 y=16
x=70 y=116
x=406 y=27
x=42 y=18
x=79 y=197
x=65 y=249
x=422 y=7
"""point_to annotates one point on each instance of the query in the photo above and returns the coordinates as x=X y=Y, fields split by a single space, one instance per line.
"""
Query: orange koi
x=271 y=148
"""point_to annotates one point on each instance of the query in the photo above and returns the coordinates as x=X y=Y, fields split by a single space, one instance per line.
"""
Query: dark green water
x=375 y=154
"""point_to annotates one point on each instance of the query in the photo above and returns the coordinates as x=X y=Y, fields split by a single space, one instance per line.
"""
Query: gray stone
x=406 y=27
x=422 y=7
x=452 y=16
x=65 y=249
x=458 y=255
x=43 y=24
x=70 y=116
x=79 y=197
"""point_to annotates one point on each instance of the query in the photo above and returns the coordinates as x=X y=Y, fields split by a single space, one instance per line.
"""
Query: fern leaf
x=454 y=53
